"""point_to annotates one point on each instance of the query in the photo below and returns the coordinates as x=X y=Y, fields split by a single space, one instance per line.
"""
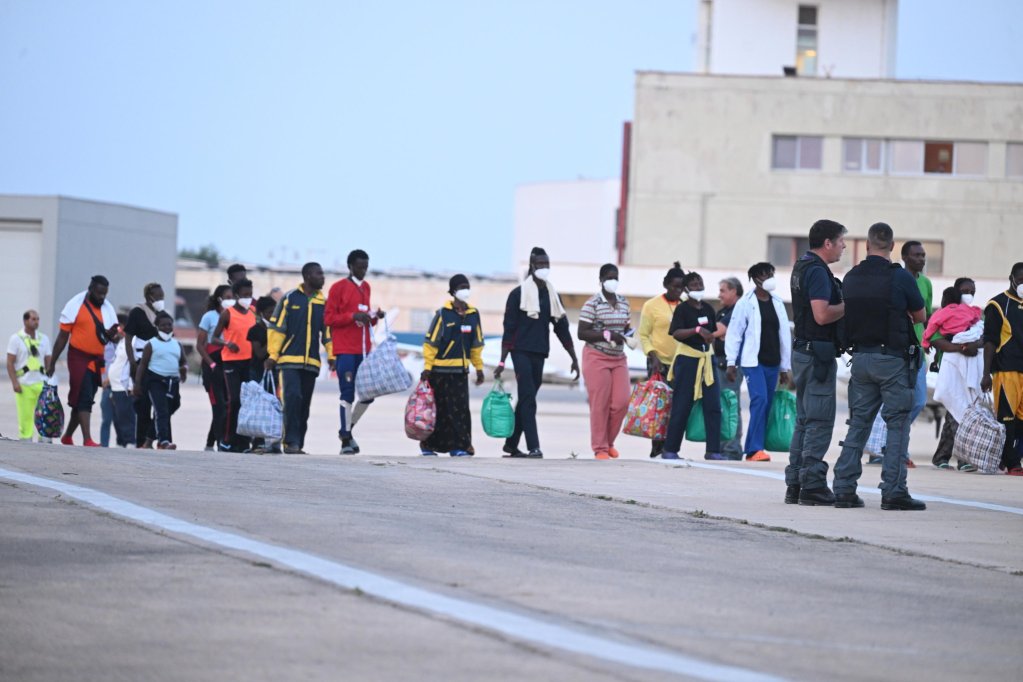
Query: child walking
x=160 y=371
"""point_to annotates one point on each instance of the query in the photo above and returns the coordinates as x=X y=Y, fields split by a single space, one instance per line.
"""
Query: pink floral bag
x=420 y=412
x=649 y=410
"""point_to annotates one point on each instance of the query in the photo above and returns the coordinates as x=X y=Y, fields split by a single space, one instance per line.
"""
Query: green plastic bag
x=498 y=414
x=781 y=422
x=696 y=430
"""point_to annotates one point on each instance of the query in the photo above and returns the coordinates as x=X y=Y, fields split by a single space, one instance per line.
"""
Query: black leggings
x=216 y=390
x=236 y=373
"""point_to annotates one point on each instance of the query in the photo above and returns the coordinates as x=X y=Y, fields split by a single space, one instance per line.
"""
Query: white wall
x=856 y=38
x=574 y=221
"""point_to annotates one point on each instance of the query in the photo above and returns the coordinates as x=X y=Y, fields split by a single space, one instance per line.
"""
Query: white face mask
x=158 y=306
x=697 y=295
x=227 y=303
x=769 y=284
x=610 y=285
x=165 y=335
x=967 y=299
x=463 y=295
x=245 y=302
x=542 y=274
x=1019 y=288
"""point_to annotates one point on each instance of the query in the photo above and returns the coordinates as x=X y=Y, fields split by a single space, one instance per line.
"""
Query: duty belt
x=884 y=350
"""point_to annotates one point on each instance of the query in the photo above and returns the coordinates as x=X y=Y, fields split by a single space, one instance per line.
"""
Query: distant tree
x=208 y=253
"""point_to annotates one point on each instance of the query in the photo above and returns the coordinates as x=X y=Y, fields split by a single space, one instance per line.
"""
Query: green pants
x=27 y=400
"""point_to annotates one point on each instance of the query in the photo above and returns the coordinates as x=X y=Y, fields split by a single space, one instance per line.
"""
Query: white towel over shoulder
x=529 y=301
x=70 y=312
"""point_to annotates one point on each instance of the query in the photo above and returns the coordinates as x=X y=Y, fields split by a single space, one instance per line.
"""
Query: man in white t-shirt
x=28 y=354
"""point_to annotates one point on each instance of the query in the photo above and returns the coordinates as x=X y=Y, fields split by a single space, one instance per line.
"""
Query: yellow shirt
x=654 y=321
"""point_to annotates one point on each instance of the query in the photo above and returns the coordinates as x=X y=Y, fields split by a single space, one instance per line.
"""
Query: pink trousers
x=607 y=384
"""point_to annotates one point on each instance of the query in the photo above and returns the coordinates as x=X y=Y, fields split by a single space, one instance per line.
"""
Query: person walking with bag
x=692 y=371
x=453 y=343
x=232 y=334
x=531 y=310
x=603 y=323
x=28 y=354
x=350 y=317
x=87 y=323
x=658 y=344
x=759 y=340
x=1003 y=366
x=295 y=332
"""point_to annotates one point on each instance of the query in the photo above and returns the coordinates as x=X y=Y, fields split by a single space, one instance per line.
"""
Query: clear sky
x=289 y=131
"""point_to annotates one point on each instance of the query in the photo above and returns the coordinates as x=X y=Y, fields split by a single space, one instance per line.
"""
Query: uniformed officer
x=817 y=308
x=882 y=303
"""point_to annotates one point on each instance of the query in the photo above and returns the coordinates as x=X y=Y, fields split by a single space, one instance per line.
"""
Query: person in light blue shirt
x=160 y=371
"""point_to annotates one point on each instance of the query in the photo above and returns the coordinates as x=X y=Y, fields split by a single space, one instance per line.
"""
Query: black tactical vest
x=870 y=314
x=806 y=327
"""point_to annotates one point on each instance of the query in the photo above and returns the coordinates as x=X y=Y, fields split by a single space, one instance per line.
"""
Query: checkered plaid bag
x=381 y=372
x=980 y=437
x=260 y=414
x=878 y=437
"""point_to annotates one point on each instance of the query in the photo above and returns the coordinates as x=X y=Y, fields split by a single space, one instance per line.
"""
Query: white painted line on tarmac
x=508 y=623
x=867 y=491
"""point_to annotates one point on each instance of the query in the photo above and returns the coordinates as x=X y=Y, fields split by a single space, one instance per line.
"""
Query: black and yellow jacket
x=454 y=341
x=296 y=330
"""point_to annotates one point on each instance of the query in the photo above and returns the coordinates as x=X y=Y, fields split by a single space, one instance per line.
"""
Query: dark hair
x=100 y=280
x=28 y=314
x=823 y=230
x=908 y=245
x=357 y=254
x=1015 y=268
x=148 y=289
x=734 y=284
x=213 y=302
x=690 y=277
x=674 y=272
x=241 y=284
x=264 y=302
x=237 y=267
x=961 y=281
x=536 y=251
x=308 y=268
x=760 y=270
x=606 y=268
x=951 y=295
x=455 y=282
x=163 y=315
x=881 y=236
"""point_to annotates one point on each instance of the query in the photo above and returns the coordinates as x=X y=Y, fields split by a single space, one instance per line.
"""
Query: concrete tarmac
x=702 y=562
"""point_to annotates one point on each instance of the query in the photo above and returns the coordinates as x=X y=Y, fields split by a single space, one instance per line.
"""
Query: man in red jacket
x=349 y=316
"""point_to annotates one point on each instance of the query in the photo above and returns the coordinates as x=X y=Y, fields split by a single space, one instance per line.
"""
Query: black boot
x=816 y=497
x=848 y=501
x=792 y=494
x=902 y=503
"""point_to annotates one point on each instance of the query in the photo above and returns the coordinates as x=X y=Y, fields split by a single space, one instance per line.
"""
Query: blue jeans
x=106 y=408
x=124 y=417
x=919 y=399
x=761 y=381
x=347 y=367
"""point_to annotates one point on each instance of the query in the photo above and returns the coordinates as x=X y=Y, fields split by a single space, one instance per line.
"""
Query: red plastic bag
x=420 y=412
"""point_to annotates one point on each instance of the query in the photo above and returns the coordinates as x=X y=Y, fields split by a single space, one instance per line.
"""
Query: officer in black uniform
x=817 y=310
x=882 y=303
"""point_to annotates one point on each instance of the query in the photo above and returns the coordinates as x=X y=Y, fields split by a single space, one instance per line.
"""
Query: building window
x=937 y=157
x=906 y=157
x=1014 y=160
x=789 y=152
x=806 y=41
x=970 y=158
x=782 y=252
x=862 y=155
x=856 y=251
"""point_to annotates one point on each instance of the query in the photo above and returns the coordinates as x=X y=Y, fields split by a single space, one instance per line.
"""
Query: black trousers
x=297 y=386
x=164 y=396
x=236 y=373
x=216 y=390
x=528 y=379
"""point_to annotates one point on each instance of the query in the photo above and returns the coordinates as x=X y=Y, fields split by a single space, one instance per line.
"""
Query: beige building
x=730 y=170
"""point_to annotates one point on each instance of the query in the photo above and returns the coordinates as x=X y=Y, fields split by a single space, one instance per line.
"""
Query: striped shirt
x=605 y=316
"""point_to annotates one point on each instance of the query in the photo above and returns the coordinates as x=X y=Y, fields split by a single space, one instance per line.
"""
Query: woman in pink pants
x=603 y=322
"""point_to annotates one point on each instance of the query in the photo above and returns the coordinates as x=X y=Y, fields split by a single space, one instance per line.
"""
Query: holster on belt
x=915 y=357
x=824 y=354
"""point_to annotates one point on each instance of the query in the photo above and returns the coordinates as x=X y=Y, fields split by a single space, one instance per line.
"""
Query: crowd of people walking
x=880 y=314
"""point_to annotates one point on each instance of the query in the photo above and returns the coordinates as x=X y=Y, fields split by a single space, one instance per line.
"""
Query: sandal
x=943 y=465
x=966 y=467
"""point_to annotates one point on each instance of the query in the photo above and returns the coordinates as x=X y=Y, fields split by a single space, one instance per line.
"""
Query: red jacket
x=343 y=301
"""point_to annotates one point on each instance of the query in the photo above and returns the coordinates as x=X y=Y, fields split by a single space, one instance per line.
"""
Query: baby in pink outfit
x=953 y=317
